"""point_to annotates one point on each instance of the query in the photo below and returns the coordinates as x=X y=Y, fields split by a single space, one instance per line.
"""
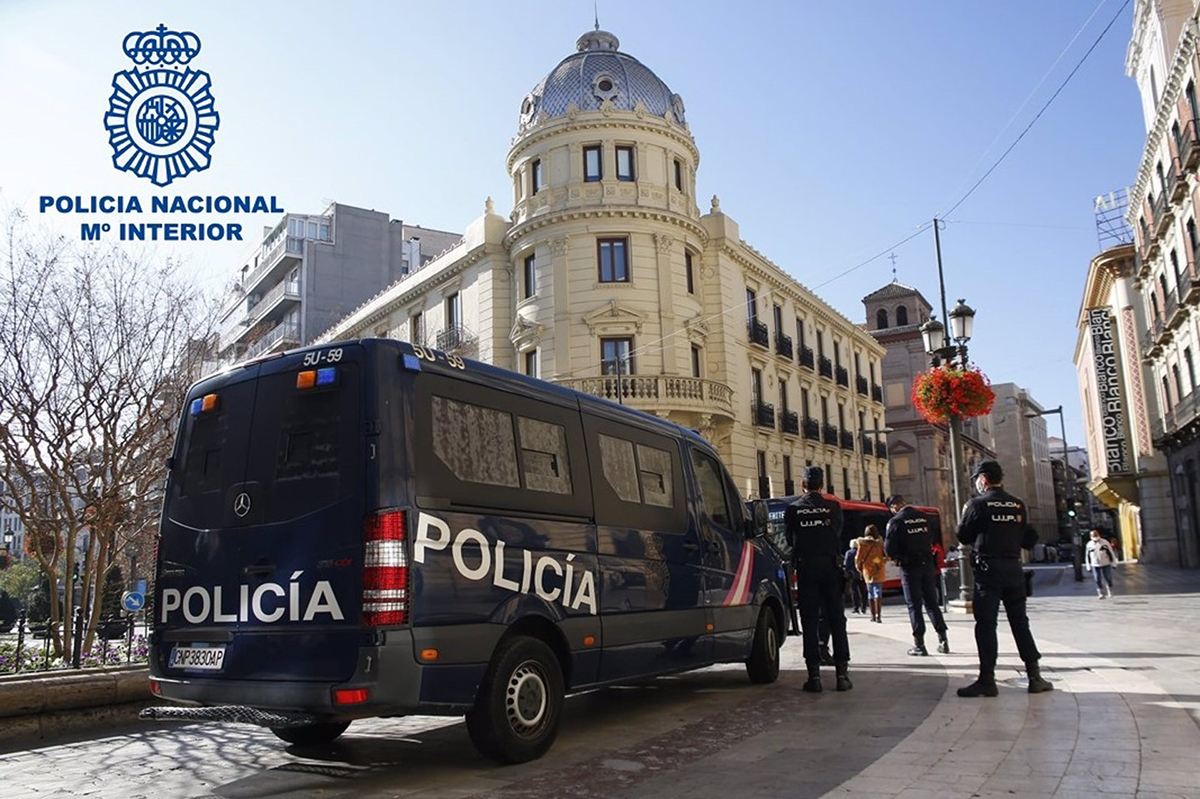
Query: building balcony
x=825 y=367
x=764 y=486
x=279 y=255
x=881 y=449
x=275 y=303
x=806 y=357
x=1187 y=289
x=1173 y=315
x=1183 y=414
x=877 y=392
x=658 y=393
x=1164 y=212
x=847 y=440
x=458 y=340
x=868 y=446
x=279 y=338
x=1176 y=185
x=789 y=487
x=783 y=345
x=790 y=422
x=812 y=429
x=829 y=434
x=1140 y=267
x=1189 y=146
x=762 y=414
x=757 y=331
x=843 y=376
x=860 y=385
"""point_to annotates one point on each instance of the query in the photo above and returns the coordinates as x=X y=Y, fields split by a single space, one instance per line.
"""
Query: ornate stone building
x=606 y=277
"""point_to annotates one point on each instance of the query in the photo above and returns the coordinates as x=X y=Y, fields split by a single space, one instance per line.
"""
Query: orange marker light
x=710 y=627
x=306 y=379
x=209 y=403
x=429 y=654
x=589 y=640
x=350 y=696
x=155 y=688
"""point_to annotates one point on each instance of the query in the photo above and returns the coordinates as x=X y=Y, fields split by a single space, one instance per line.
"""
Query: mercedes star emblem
x=241 y=505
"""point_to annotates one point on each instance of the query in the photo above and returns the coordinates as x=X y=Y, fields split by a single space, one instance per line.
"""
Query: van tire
x=520 y=702
x=311 y=734
x=763 y=665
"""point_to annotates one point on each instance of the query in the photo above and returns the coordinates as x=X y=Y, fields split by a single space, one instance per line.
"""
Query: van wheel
x=311 y=734
x=763 y=665
x=520 y=702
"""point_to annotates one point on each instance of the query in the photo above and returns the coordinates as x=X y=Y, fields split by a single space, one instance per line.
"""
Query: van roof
x=492 y=375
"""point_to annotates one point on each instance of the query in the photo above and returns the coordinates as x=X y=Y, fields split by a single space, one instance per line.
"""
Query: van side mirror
x=758 y=519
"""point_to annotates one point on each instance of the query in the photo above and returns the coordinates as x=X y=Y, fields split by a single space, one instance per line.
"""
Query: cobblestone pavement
x=1124 y=720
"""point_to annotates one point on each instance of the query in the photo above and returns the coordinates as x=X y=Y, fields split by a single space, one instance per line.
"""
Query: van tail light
x=385 y=570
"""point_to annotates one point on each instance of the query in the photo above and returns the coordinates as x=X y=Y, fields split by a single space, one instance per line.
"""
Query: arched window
x=881 y=320
x=901 y=316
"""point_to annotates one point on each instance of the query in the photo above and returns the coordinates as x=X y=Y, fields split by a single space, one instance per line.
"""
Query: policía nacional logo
x=161 y=118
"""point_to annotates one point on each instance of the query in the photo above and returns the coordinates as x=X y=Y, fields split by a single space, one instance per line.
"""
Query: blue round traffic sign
x=133 y=601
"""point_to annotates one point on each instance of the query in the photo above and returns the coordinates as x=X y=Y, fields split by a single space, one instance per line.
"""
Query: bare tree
x=97 y=347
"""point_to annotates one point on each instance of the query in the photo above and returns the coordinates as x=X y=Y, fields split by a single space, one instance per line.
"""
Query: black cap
x=814 y=478
x=894 y=499
x=989 y=469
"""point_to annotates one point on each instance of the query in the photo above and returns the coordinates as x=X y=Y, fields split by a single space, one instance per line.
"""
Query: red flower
x=948 y=391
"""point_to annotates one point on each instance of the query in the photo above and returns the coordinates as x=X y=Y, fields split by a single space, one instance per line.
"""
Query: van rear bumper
x=388 y=672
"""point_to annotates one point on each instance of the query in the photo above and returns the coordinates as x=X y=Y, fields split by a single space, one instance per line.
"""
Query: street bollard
x=129 y=638
x=77 y=639
x=20 y=638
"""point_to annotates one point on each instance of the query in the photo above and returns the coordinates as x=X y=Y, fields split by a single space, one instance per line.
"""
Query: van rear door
x=261 y=550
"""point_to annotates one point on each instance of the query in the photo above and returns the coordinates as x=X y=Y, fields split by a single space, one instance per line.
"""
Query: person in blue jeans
x=1100 y=560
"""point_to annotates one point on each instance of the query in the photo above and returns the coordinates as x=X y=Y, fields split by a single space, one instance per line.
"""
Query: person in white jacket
x=1100 y=560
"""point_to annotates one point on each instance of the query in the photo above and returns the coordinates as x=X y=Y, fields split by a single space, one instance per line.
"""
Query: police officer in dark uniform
x=910 y=537
x=814 y=530
x=997 y=524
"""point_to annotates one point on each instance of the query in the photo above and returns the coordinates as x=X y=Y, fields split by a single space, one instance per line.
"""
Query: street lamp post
x=951 y=349
x=1076 y=549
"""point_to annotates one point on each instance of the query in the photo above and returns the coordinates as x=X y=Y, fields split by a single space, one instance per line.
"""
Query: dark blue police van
x=372 y=528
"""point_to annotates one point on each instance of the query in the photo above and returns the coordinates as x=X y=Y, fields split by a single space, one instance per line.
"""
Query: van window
x=654 y=471
x=544 y=456
x=712 y=489
x=620 y=471
x=475 y=443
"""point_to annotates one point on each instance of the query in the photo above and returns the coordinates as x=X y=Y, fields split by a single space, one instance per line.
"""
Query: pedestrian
x=872 y=564
x=813 y=524
x=854 y=578
x=910 y=537
x=997 y=523
x=1100 y=560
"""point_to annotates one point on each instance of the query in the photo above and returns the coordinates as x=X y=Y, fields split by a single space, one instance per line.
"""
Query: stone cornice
x=518 y=231
x=1105 y=270
x=1141 y=21
x=761 y=267
x=1166 y=110
x=597 y=120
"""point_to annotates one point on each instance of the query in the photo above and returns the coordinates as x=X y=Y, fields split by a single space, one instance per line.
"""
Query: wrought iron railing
x=825 y=367
x=829 y=434
x=812 y=429
x=758 y=333
x=763 y=414
x=843 y=376
x=783 y=345
x=806 y=357
x=790 y=422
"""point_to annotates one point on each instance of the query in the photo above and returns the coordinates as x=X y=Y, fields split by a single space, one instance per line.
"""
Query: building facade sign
x=1108 y=384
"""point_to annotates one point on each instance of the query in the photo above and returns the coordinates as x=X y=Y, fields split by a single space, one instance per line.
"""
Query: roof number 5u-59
x=323 y=356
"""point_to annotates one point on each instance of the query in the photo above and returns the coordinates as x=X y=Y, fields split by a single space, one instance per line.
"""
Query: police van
x=372 y=528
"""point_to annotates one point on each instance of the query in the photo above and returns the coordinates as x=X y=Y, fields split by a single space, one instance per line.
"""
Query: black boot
x=1037 y=685
x=943 y=643
x=918 y=647
x=843 y=678
x=813 y=684
x=826 y=658
x=984 y=686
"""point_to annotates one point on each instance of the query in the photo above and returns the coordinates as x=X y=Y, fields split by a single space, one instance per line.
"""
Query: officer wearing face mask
x=997 y=524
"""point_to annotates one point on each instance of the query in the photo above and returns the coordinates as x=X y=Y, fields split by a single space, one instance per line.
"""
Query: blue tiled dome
x=599 y=72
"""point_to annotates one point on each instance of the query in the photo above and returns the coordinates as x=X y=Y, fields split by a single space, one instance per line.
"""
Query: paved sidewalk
x=1124 y=720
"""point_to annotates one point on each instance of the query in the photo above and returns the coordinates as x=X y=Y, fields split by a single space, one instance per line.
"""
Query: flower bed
x=33 y=656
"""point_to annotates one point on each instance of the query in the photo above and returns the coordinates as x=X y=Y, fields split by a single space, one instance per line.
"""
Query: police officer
x=814 y=530
x=996 y=523
x=909 y=542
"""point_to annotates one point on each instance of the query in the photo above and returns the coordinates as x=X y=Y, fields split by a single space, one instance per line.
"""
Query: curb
x=36 y=707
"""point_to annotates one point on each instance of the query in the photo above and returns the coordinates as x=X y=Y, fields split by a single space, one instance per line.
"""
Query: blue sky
x=829 y=130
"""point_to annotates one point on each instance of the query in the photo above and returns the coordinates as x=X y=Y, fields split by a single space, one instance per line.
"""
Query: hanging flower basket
x=947 y=391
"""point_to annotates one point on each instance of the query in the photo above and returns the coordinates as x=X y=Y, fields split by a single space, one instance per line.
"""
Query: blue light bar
x=410 y=362
x=326 y=376
x=197 y=406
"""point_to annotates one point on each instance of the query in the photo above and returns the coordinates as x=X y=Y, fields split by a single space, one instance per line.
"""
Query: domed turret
x=597 y=73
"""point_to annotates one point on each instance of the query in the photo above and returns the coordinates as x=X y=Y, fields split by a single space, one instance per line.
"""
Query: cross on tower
x=892 y=258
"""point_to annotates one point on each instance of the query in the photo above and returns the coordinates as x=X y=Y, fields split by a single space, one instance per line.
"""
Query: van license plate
x=207 y=658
